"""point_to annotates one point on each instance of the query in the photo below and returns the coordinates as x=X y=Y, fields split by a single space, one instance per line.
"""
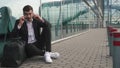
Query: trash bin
x=110 y=40
x=116 y=50
x=108 y=33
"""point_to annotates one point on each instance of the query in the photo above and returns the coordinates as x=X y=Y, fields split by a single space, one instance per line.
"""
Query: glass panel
x=67 y=17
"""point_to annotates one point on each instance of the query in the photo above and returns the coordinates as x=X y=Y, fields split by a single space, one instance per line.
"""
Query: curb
x=60 y=40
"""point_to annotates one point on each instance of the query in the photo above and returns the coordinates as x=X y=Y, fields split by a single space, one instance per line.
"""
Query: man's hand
x=38 y=18
x=21 y=21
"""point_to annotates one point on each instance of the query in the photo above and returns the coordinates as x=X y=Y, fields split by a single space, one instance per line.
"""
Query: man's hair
x=27 y=8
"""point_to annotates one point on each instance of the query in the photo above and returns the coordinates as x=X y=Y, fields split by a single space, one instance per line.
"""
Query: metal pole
x=110 y=12
x=108 y=9
x=89 y=19
x=40 y=8
x=61 y=22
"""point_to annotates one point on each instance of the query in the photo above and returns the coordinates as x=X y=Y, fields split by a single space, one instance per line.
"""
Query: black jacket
x=23 y=31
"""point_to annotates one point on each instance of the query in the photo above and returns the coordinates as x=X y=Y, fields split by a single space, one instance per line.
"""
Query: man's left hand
x=38 y=18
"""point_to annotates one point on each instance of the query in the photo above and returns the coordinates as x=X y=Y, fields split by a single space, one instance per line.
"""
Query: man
x=28 y=28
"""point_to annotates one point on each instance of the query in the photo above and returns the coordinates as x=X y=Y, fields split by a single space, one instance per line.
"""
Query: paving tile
x=88 y=50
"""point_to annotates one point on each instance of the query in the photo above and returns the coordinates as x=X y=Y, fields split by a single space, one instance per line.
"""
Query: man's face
x=28 y=15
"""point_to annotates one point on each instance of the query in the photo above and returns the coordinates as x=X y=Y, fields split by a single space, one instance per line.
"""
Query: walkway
x=88 y=50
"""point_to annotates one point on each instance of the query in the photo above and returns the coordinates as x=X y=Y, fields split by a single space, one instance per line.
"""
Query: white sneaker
x=48 y=57
x=54 y=55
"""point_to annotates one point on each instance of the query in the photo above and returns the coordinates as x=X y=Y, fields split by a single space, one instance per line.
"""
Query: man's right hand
x=21 y=21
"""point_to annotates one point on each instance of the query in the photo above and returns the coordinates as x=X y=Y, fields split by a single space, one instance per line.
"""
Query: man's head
x=28 y=12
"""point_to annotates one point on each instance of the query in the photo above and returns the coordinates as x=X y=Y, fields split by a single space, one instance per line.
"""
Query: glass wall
x=67 y=17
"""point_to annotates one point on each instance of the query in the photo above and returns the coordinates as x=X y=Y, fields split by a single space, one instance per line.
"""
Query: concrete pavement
x=88 y=50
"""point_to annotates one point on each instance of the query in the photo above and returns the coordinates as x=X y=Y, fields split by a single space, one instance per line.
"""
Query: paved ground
x=88 y=50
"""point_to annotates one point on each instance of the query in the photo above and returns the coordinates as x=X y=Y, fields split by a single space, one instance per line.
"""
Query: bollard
x=110 y=41
x=116 y=50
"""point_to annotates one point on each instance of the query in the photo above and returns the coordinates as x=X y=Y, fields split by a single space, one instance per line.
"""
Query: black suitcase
x=13 y=54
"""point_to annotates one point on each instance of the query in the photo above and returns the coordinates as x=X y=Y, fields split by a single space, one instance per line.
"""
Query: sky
x=43 y=1
x=16 y=6
x=117 y=2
